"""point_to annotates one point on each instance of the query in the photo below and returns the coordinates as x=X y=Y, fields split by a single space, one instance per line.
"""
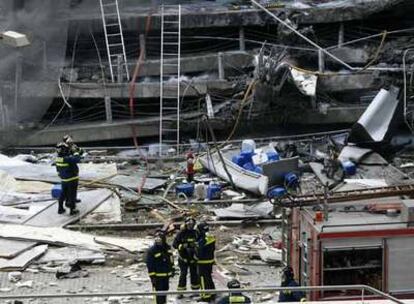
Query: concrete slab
x=49 y=217
x=142 y=90
x=23 y=260
x=11 y=248
x=63 y=237
x=13 y=215
x=69 y=254
x=133 y=182
x=108 y=212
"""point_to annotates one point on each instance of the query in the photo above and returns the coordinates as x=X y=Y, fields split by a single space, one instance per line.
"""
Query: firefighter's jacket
x=160 y=261
x=186 y=242
x=206 y=247
x=67 y=167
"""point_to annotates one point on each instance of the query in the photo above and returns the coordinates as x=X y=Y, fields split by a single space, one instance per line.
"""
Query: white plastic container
x=200 y=191
x=248 y=145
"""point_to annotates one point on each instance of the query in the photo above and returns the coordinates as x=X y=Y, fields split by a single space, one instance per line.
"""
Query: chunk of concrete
x=15 y=276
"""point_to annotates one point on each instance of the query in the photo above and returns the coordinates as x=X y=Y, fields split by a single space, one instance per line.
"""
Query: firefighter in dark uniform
x=206 y=246
x=67 y=168
x=289 y=281
x=234 y=297
x=74 y=150
x=185 y=242
x=160 y=265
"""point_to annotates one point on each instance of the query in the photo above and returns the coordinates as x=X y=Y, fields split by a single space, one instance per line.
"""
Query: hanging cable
x=132 y=86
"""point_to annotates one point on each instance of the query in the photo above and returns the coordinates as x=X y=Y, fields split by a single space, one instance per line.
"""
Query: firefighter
x=185 y=243
x=67 y=168
x=75 y=150
x=206 y=245
x=289 y=281
x=234 y=297
x=160 y=265
x=190 y=167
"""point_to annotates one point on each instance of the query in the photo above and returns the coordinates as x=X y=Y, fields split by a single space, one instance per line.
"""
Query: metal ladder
x=169 y=131
x=114 y=38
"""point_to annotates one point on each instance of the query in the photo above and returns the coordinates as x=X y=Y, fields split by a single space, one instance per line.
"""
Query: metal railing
x=362 y=288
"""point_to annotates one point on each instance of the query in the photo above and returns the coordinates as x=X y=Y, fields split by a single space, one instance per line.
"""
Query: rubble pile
x=125 y=197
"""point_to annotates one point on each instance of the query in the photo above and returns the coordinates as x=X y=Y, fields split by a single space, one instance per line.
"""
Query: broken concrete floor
x=112 y=279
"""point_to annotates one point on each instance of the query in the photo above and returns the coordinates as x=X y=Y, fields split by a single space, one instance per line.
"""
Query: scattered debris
x=71 y=271
x=26 y=284
x=15 y=276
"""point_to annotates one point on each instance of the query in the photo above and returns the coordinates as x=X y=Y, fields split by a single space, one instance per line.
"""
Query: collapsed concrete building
x=225 y=48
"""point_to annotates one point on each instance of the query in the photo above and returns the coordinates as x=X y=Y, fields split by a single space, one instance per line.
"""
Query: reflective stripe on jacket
x=236 y=298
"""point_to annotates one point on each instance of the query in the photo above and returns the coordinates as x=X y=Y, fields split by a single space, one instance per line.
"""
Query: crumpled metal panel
x=375 y=123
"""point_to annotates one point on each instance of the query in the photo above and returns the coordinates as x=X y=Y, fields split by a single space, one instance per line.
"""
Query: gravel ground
x=117 y=279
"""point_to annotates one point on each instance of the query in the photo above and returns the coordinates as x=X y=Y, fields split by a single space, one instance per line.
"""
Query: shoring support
x=242 y=40
x=220 y=65
x=341 y=35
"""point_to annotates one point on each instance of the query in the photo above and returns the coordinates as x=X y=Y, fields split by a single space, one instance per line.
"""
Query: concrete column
x=2 y=116
x=119 y=64
x=44 y=66
x=6 y=116
x=17 y=81
x=321 y=61
x=242 y=41
x=220 y=66
x=313 y=102
x=108 y=109
x=142 y=45
x=341 y=34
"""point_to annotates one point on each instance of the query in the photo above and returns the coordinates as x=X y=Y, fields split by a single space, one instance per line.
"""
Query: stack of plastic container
x=251 y=158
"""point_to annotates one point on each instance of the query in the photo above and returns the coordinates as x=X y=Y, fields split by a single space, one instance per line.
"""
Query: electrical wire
x=65 y=100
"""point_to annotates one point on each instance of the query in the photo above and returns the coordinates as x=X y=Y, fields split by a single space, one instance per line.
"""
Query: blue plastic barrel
x=56 y=191
x=238 y=160
x=272 y=156
x=186 y=188
x=249 y=166
x=349 y=167
x=276 y=192
x=213 y=191
x=291 y=180
x=247 y=156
